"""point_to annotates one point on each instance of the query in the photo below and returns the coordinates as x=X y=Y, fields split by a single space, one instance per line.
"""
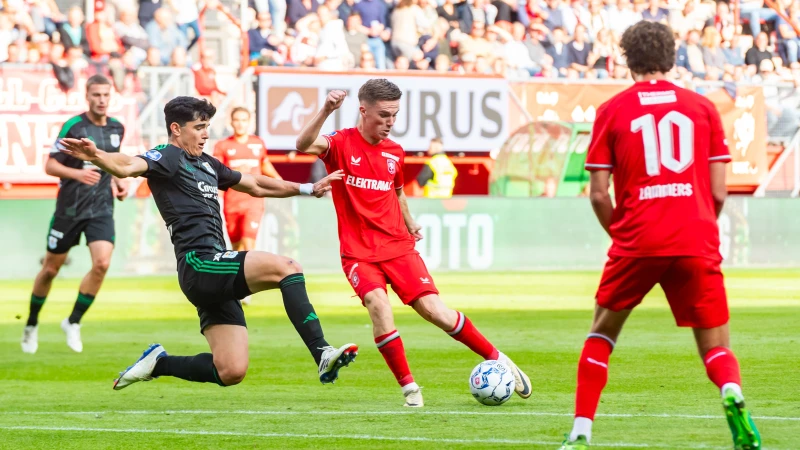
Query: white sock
x=409 y=388
x=582 y=427
x=734 y=387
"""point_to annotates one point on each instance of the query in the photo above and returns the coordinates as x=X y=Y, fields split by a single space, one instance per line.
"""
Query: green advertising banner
x=460 y=234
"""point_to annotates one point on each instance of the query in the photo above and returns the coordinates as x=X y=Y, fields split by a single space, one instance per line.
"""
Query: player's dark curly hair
x=649 y=47
x=379 y=89
x=181 y=110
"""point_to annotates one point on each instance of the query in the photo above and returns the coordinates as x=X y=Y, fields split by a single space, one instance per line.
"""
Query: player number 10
x=660 y=140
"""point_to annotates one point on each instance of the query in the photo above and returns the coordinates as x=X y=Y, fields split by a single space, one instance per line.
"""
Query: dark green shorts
x=66 y=233
x=215 y=284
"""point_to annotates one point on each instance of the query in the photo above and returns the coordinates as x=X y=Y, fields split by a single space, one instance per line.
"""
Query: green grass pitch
x=657 y=396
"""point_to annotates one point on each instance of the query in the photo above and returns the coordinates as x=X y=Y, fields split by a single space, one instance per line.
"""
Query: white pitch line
x=362 y=437
x=386 y=413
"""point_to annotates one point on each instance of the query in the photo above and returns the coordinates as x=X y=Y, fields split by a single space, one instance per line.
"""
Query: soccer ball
x=491 y=383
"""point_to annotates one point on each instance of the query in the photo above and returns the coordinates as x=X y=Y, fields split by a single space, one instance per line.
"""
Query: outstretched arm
x=118 y=164
x=263 y=186
x=309 y=140
x=411 y=224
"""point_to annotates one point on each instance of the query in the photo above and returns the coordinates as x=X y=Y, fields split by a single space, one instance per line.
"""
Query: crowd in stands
x=572 y=39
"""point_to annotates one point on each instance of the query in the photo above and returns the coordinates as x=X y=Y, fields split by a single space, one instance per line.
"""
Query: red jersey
x=245 y=158
x=658 y=140
x=371 y=225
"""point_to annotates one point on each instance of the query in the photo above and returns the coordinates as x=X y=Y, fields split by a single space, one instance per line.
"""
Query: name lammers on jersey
x=208 y=190
x=366 y=183
x=665 y=190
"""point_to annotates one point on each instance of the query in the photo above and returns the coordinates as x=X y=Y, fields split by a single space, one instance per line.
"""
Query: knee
x=436 y=313
x=231 y=373
x=289 y=267
x=50 y=271
x=100 y=266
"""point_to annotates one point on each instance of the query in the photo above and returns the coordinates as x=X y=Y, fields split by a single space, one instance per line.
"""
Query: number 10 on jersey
x=659 y=140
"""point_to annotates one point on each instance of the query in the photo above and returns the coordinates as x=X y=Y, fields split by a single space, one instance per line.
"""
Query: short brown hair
x=97 y=80
x=239 y=109
x=649 y=47
x=377 y=90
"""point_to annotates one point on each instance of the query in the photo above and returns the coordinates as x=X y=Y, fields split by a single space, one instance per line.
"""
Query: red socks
x=592 y=375
x=391 y=347
x=722 y=367
x=466 y=333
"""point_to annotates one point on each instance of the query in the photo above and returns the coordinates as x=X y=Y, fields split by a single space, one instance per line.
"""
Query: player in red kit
x=666 y=148
x=245 y=153
x=377 y=233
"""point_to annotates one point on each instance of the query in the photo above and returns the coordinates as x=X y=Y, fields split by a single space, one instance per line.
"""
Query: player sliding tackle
x=377 y=232
x=184 y=182
x=667 y=149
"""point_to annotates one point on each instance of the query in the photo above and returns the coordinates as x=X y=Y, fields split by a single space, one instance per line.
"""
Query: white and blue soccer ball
x=491 y=383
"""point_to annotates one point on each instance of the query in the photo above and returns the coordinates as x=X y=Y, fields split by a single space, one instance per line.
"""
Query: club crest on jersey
x=392 y=166
x=155 y=155
x=207 y=166
x=355 y=279
x=229 y=255
x=114 y=138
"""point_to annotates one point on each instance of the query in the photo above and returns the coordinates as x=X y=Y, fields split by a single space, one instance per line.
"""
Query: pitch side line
x=361 y=437
x=379 y=413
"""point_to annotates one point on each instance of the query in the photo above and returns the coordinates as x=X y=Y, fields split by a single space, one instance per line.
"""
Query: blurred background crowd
x=748 y=40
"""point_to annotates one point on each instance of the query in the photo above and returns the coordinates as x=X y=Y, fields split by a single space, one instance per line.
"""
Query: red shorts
x=243 y=223
x=407 y=274
x=694 y=287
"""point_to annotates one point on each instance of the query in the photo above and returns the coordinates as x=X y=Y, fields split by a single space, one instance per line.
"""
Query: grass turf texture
x=657 y=395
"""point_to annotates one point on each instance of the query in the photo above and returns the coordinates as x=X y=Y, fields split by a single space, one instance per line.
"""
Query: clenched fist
x=334 y=100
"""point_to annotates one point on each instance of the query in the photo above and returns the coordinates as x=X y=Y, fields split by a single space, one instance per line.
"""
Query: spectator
x=517 y=57
x=694 y=54
x=8 y=34
x=44 y=16
x=442 y=64
x=450 y=13
x=264 y=42
x=205 y=78
x=601 y=55
x=103 y=41
x=622 y=16
x=723 y=19
x=373 y=15
x=345 y=8
x=356 y=37
x=475 y=43
x=468 y=63
x=655 y=13
x=427 y=17
x=578 y=51
x=163 y=34
x=687 y=18
x=153 y=58
x=552 y=15
x=787 y=34
x=147 y=11
x=402 y=63
x=712 y=50
x=367 y=61
x=758 y=52
x=178 y=58
x=575 y=14
x=536 y=50
x=304 y=48
x=332 y=53
x=404 y=28
x=436 y=44
x=734 y=56
x=598 y=18
x=558 y=51
x=483 y=11
x=506 y=10
x=297 y=9
x=187 y=16
x=132 y=35
x=73 y=32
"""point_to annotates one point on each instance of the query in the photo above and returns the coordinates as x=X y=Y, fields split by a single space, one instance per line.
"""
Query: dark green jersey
x=76 y=200
x=185 y=190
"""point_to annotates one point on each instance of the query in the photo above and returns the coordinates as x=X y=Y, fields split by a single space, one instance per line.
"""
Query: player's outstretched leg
x=593 y=374
x=723 y=370
x=265 y=271
x=390 y=344
x=459 y=327
x=41 y=287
